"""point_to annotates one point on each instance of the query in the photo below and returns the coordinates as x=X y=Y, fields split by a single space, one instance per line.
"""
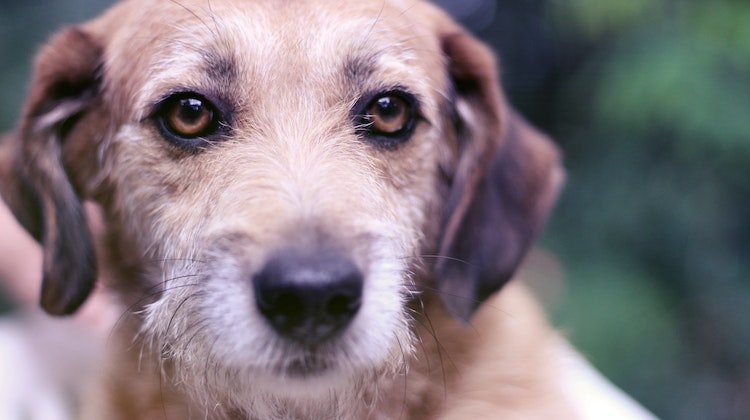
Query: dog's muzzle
x=308 y=296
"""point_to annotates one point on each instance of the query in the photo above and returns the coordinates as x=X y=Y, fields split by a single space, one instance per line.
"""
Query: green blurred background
x=650 y=101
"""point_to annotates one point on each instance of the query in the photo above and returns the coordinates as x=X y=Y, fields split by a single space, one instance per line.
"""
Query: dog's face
x=284 y=216
x=277 y=172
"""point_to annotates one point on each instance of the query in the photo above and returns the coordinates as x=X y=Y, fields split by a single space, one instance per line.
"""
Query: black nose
x=308 y=296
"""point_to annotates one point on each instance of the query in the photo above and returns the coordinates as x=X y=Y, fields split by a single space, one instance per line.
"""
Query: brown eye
x=190 y=121
x=189 y=117
x=389 y=118
x=389 y=114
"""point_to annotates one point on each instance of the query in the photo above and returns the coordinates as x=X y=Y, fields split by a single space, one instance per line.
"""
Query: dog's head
x=285 y=176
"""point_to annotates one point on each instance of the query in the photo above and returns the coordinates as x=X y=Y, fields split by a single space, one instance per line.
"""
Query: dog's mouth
x=306 y=366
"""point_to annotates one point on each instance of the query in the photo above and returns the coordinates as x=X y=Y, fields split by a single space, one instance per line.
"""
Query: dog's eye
x=188 y=119
x=389 y=114
x=389 y=118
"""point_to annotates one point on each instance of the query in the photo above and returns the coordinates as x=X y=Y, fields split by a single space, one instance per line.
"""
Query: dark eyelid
x=360 y=107
x=222 y=106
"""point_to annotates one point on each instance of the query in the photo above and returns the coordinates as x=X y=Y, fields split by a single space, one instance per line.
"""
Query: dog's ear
x=35 y=182
x=503 y=185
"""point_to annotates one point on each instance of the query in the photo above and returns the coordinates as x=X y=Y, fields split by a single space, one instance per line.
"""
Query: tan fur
x=184 y=230
x=503 y=365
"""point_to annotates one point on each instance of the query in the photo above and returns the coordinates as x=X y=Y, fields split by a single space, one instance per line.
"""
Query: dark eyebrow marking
x=358 y=69
x=220 y=69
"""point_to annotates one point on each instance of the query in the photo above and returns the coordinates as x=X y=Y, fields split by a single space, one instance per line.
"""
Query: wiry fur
x=186 y=231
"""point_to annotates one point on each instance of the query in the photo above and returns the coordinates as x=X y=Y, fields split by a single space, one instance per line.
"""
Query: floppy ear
x=35 y=182
x=504 y=184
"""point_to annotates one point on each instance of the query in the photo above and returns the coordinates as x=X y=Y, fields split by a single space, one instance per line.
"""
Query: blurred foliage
x=650 y=101
x=24 y=26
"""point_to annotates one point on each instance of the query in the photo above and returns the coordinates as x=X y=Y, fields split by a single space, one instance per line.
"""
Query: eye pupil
x=191 y=110
x=388 y=108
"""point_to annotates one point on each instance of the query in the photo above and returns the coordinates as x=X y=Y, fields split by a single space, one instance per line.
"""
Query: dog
x=311 y=209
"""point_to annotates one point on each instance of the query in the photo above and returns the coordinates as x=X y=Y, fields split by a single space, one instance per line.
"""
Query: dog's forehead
x=280 y=48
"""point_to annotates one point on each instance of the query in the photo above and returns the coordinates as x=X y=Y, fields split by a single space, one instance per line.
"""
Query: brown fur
x=450 y=214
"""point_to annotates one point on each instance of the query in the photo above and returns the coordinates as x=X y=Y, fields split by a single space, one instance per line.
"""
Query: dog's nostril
x=286 y=310
x=289 y=303
x=341 y=306
x=308 y=296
